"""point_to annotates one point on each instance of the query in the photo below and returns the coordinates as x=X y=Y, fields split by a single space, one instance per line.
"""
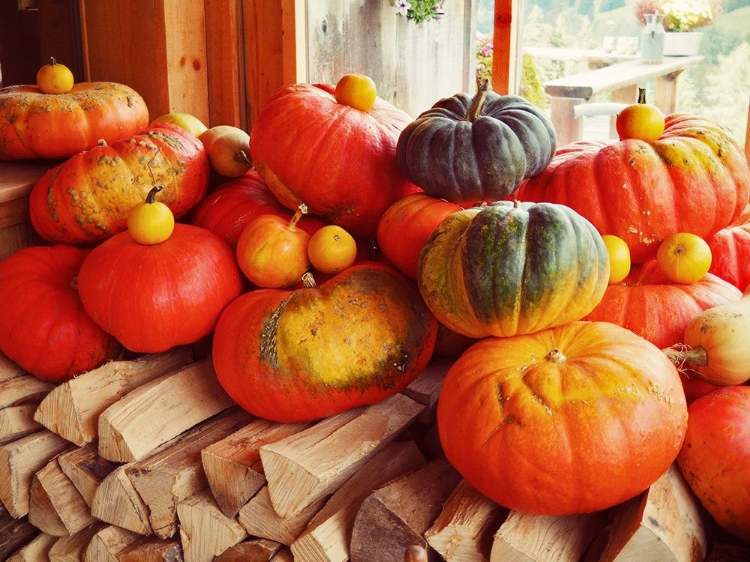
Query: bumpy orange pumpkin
x=695 y=178
x=730 y=249
x=309 y=353
x=573 y=419
x=87 y=198
x=38 y=125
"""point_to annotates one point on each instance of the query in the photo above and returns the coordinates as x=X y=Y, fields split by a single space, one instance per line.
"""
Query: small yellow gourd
x=151 y=222
x=717 y=343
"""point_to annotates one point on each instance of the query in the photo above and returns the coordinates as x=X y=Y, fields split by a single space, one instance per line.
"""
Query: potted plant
x=681 y=19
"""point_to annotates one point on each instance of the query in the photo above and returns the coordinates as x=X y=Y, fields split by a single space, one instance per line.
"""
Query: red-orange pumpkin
x=37 y=125
x=572 y=419
x=300 y=355
x=730 y=251
x=87 y=198
x=155 y=297
x=695 y=178
x=338 y=160
x=43 y=326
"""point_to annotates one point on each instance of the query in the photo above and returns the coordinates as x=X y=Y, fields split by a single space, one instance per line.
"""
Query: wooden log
x=465 y=528
x=56 y=507
x=73 y=408
x=251 y=550
x=283 y=555
x=14 y=533
x=35 y=550
x=260 y=519
x=313 y=463
x=17 y=421
x=117 y=502
x=23 y=389
x=329 y=533
x=8 y=368
x=425 y=389
x=663 y=524
x=19 y=461
x=73 y=547
x=153 y=550
x=415 y=553
x=160 y=410
x=85 y=469
x=175 y=473
x=205 y=532
x=233 y=467
x=397 y=515
x=545 y=538
x=108 y=543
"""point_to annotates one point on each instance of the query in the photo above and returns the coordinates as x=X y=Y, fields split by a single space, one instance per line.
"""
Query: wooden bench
x=622 y=80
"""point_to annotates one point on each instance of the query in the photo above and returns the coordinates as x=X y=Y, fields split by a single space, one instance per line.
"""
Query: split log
x=465 y=528
x=117 y=502
x=425 y=389
x=72 y=409
x=415 y=554
x=153 y=550
x=545 y=538
x=73 y=547
x=205 y=532
x=397 y=516
x=108 y=543
x=260 y=519
x=18 y=421
x=233 y=467
x=329 y=533
x=85 y=469
x=283 y=555
x=313 y=463
x=19 y=461
x=35 y=550
x=252 y=550
x=14 y=533
x=160 y=410
x=23 y=389
x=20 y=395
x=8 y=368
x=56 y=507
x=663 y=524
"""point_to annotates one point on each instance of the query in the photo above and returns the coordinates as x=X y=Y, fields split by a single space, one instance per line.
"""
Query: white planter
x=681 y=44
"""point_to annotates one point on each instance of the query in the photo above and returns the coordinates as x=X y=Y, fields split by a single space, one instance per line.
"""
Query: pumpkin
x=334 y=158
x=87 y=198
x=467 y=149
x=715 y=457
x=647 y=303
x=155 y=297
x=716 y=343
x=572 y=419
x=44 y=327
x=315 y=351
x=512 y=268
x=228 y=208
x=730 y=249
x=405 y=227
x=695 y=178
x=37 y=125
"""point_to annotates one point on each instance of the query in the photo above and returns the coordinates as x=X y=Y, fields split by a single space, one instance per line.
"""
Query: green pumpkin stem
x=641 y=95
x=477 y=103
x=301 y=210
x=151 y=197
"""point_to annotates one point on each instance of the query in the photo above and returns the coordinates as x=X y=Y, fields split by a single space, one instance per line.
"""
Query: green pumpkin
x=467 y=150
x=511 y=268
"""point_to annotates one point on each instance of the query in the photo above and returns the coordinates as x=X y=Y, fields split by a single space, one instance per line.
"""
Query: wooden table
x=622 y=80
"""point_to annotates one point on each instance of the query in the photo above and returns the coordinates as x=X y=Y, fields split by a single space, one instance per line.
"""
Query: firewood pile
x=148 y=459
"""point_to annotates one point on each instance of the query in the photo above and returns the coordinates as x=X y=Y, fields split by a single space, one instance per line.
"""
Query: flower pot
x=681 y=44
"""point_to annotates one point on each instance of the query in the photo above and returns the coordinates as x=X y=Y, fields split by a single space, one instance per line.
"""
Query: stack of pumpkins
x=476 y=237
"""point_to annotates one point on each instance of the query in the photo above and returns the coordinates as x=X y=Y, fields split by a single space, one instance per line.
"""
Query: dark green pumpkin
x=511 y=268
x=467 y=150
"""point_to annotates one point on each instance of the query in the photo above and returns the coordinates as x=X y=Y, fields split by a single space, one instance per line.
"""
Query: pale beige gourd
x=717 y=344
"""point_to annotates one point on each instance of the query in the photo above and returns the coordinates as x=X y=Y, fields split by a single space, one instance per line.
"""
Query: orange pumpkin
x=38 y=125
x=572 y=419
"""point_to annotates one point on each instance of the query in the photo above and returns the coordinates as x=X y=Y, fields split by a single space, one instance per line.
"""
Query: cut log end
x=415 y=553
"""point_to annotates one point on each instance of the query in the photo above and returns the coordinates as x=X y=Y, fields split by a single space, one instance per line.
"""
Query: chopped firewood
x=108 y=543
x=205 y=532
x=153 y=550
x=73 y=547
x=14 y=533
x=729 y=552
x=465 y=528
x=35 y=550
x=86 y=469
x=545 y=538
x=116 y=501
x=160 y=410
x=233 y=467
x=664 y=523
x=8 y=368
x=397 y=515
x=251 y=550
x=17 y=421
x=425 y=389
x=19 y=461
x=329 y=533
x=260 y=519
x=283 y=555
x=73 y=408
x=23 y=389
x=175 y=473
x=415 y=553
x=56 y=507
x=313 y=463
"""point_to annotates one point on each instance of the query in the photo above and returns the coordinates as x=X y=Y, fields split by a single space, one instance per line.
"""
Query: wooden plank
x=17 y=179
x=205 y=532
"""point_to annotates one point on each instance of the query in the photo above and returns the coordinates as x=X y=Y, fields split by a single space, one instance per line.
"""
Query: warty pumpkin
x=694 y=178
x=312 y=352
x=572 y=419
x=87 y=198
x=511 y=268
x=468 y=149
x=57 y=126
x=730 y=251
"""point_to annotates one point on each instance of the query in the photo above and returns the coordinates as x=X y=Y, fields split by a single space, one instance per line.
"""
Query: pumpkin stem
x=151 y=197
x=679 y=354
x=555 y=356
x=52 y=61
x=308 y=280
x=477 y=103
x=241 y=157
x=301 y=210
x=641 y=95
